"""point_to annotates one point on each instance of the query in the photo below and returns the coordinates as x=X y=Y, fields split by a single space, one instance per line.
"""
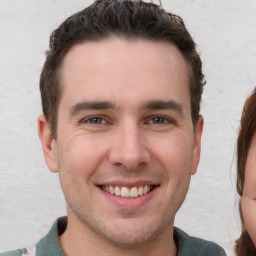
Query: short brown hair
x=244 y=245
x=128 y=19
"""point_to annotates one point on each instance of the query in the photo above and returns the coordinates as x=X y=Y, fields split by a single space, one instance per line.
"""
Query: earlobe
x=197 y=144
x=48 y=143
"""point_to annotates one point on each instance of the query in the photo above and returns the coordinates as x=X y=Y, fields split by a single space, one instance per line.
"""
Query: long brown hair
x=244 y=245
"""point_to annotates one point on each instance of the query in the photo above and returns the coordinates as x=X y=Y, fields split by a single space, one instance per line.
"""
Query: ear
x=48 y=143
x=197 y=144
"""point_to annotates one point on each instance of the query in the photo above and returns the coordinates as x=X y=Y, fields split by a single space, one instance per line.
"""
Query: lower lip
x=130 y=202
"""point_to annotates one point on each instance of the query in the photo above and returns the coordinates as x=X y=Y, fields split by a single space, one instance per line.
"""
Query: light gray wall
x=30 y=196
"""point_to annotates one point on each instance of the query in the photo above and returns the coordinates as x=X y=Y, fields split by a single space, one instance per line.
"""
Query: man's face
x=124 y=127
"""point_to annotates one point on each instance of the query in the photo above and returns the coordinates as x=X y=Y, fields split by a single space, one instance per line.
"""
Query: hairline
x=189 y=71
x=248 y=128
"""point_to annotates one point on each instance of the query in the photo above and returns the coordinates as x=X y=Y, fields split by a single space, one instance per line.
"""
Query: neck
x=79 y=240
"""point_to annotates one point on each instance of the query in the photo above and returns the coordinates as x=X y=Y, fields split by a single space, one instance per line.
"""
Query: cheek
x=248 y=206
x=174 y=153
x=80 y=157
x=176 y=157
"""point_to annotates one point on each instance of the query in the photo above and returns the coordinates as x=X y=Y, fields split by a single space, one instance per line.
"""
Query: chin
x=127 y=239
x=132 y=233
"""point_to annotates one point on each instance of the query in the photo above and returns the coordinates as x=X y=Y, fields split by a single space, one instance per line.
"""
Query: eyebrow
x=163 y=104
x=91 y=105
x=150 y=105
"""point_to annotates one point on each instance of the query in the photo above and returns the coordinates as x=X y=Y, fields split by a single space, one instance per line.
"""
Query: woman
x=246 y=178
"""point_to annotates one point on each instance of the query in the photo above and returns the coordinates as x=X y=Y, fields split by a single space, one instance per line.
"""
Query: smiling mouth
x=126 y=192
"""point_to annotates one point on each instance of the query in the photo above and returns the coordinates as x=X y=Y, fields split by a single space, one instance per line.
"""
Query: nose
x=129 y=148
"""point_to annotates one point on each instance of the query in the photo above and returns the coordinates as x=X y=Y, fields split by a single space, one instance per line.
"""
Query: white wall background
x=30 y=196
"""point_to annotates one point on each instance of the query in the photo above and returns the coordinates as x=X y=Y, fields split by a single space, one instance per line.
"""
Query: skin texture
x=142 y=135
x=248 y=200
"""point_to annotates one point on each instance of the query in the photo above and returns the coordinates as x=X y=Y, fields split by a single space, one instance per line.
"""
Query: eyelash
x=91 y=118
x=163 y=120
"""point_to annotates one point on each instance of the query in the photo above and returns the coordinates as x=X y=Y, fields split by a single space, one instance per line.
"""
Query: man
x=121 y=90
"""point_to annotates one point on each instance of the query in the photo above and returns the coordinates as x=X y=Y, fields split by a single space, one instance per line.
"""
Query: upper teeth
x=127 y=192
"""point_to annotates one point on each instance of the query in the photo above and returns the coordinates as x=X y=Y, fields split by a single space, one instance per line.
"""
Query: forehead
x=250 y=170
x=252 y=149
x=119 y=69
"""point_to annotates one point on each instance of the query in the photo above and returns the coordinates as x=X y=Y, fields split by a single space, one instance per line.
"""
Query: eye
x=159 y=120
x=95 y=120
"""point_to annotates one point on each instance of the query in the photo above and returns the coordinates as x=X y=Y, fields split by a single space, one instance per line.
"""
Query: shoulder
x=48 y=245
x=18 y=252
x=189 y=245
